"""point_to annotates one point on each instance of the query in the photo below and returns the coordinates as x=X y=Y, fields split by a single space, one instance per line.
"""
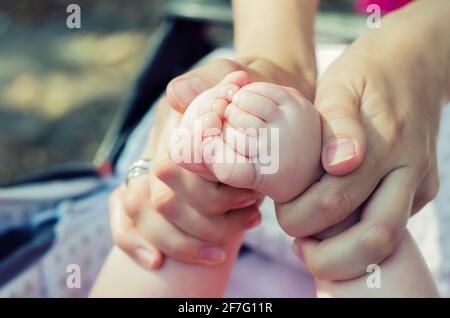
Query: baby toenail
x=230 y=93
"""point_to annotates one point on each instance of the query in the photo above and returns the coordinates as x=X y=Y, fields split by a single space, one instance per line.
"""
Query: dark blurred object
x=59 y=88
x=21 y=246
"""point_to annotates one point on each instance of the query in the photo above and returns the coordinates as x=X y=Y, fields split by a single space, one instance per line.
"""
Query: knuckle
x=174 y=247
x=393 y=127
x=208 y=208
x=219 y=236
x=171 y=95
x=332 y=112
x=218 y=198
x=227 y=66
x=213 y=209
x=285 y=221
x=131 y=205
x=165 y=170
x=334 y=206
x=394 y=133
x=208 y=204
x=164 y=202
x=180 y=248
x=338 y=103
x=318 y=268
x=379 y=241
x=287 y=226
x=291 y=230
x=119 y=236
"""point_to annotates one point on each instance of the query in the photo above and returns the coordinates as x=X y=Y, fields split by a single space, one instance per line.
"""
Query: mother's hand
x=386 y=90
x=173 y=211
x=183 y=89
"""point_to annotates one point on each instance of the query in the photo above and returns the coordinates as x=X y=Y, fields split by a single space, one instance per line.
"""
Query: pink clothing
x=385 y=5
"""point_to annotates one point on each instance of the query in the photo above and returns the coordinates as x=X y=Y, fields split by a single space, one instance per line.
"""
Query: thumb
x=183 y=89
x=343 y=135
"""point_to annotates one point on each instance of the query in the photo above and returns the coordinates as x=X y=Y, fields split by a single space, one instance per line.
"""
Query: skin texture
x=345 y=85
x=403 y=274
x=224 y=128
x=126 y=205
x=135 y=230
x=139 y=217
x=394 y=99
x=298 y=125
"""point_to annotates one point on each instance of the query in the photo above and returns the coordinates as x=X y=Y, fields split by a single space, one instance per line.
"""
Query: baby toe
x=228 y=166
x=244 y=144
x=256 y=104
x=216 y=105
x=278 y=94
x=247 y=122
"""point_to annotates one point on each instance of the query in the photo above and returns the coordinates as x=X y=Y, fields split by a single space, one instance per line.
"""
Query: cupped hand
x=175 y=212
x=380 y=103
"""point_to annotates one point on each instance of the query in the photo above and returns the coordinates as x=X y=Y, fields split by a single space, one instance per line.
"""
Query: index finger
x=329 y=201
x=371 y=240
x=207 y=197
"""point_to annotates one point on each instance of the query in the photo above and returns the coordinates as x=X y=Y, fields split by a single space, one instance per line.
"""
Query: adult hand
x=176 y=212
x=183 y=89
x=384 y=94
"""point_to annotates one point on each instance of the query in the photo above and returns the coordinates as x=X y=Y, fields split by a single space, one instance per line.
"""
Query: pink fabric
x=385 y=5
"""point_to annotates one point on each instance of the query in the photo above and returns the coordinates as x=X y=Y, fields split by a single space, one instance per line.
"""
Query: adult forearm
x=281 y=31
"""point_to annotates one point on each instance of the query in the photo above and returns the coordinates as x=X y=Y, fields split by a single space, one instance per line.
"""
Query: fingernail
x=244 y=204
x=144 y=256
x=339 y=150
x=253 y=222
x=187 y=89
x=214 y=255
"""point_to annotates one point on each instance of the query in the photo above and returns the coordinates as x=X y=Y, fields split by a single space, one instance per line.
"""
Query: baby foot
x=271 y=142
x=202 y=119
x=260 y=136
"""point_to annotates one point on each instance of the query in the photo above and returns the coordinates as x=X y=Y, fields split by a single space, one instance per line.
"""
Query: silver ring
x=139 y=167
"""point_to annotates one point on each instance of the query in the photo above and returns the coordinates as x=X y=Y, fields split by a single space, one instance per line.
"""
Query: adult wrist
x=293 y=74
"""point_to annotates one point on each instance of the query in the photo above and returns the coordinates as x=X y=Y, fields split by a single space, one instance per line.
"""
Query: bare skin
x=332 y=257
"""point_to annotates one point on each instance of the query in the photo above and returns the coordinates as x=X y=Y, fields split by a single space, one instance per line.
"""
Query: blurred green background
x=60 y=88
